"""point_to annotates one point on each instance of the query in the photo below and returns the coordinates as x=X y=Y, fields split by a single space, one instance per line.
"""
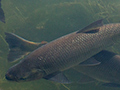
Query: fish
x=107 y=72
x=2 y=16
x=50 y=60
x=20 y=47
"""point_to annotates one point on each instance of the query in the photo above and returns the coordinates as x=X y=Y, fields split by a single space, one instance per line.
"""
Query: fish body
x=107 y=72
x=65 y=52
x=70 y=50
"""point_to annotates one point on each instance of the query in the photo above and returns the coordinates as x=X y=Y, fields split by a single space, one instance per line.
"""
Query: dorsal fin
x=19 y=47
x=93 y=27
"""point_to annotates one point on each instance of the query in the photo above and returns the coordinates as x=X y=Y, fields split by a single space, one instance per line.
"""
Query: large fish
x=2 y=16
x=65 y=52
x=108 y=72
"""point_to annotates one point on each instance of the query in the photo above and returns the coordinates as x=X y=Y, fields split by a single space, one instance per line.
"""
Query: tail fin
x=19 y=47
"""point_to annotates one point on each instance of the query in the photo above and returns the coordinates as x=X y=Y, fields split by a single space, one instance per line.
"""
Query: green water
x=39 y=20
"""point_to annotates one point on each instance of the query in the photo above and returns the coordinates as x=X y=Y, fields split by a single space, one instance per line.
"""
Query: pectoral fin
x=90 y=62
x=19 y=47
x=58 y=77
x=93 y=27
x=111 y=85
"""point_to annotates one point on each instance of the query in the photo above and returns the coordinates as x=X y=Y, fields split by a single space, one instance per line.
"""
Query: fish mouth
x=13 y=78
x=27 y=77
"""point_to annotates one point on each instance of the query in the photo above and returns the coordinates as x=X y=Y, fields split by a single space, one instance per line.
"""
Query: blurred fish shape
x=2 y=16
x=107 y=72
x=19 y=47
x=49 y=60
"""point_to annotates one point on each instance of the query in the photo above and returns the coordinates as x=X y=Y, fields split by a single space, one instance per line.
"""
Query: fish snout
x=10 y=77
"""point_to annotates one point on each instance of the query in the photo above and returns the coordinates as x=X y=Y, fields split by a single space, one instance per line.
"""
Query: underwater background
x=46 y=20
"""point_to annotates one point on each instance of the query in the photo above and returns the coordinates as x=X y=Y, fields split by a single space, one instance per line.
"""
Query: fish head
x=24 y=72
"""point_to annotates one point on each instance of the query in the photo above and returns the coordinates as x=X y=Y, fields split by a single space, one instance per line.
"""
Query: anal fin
x=58 y=77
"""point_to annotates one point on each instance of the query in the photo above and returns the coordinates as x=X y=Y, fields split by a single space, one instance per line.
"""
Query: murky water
x=39 y=20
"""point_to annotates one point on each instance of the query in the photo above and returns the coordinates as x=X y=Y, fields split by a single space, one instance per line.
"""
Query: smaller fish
x=19 y=47
x=108 y=71
x=2 y=16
